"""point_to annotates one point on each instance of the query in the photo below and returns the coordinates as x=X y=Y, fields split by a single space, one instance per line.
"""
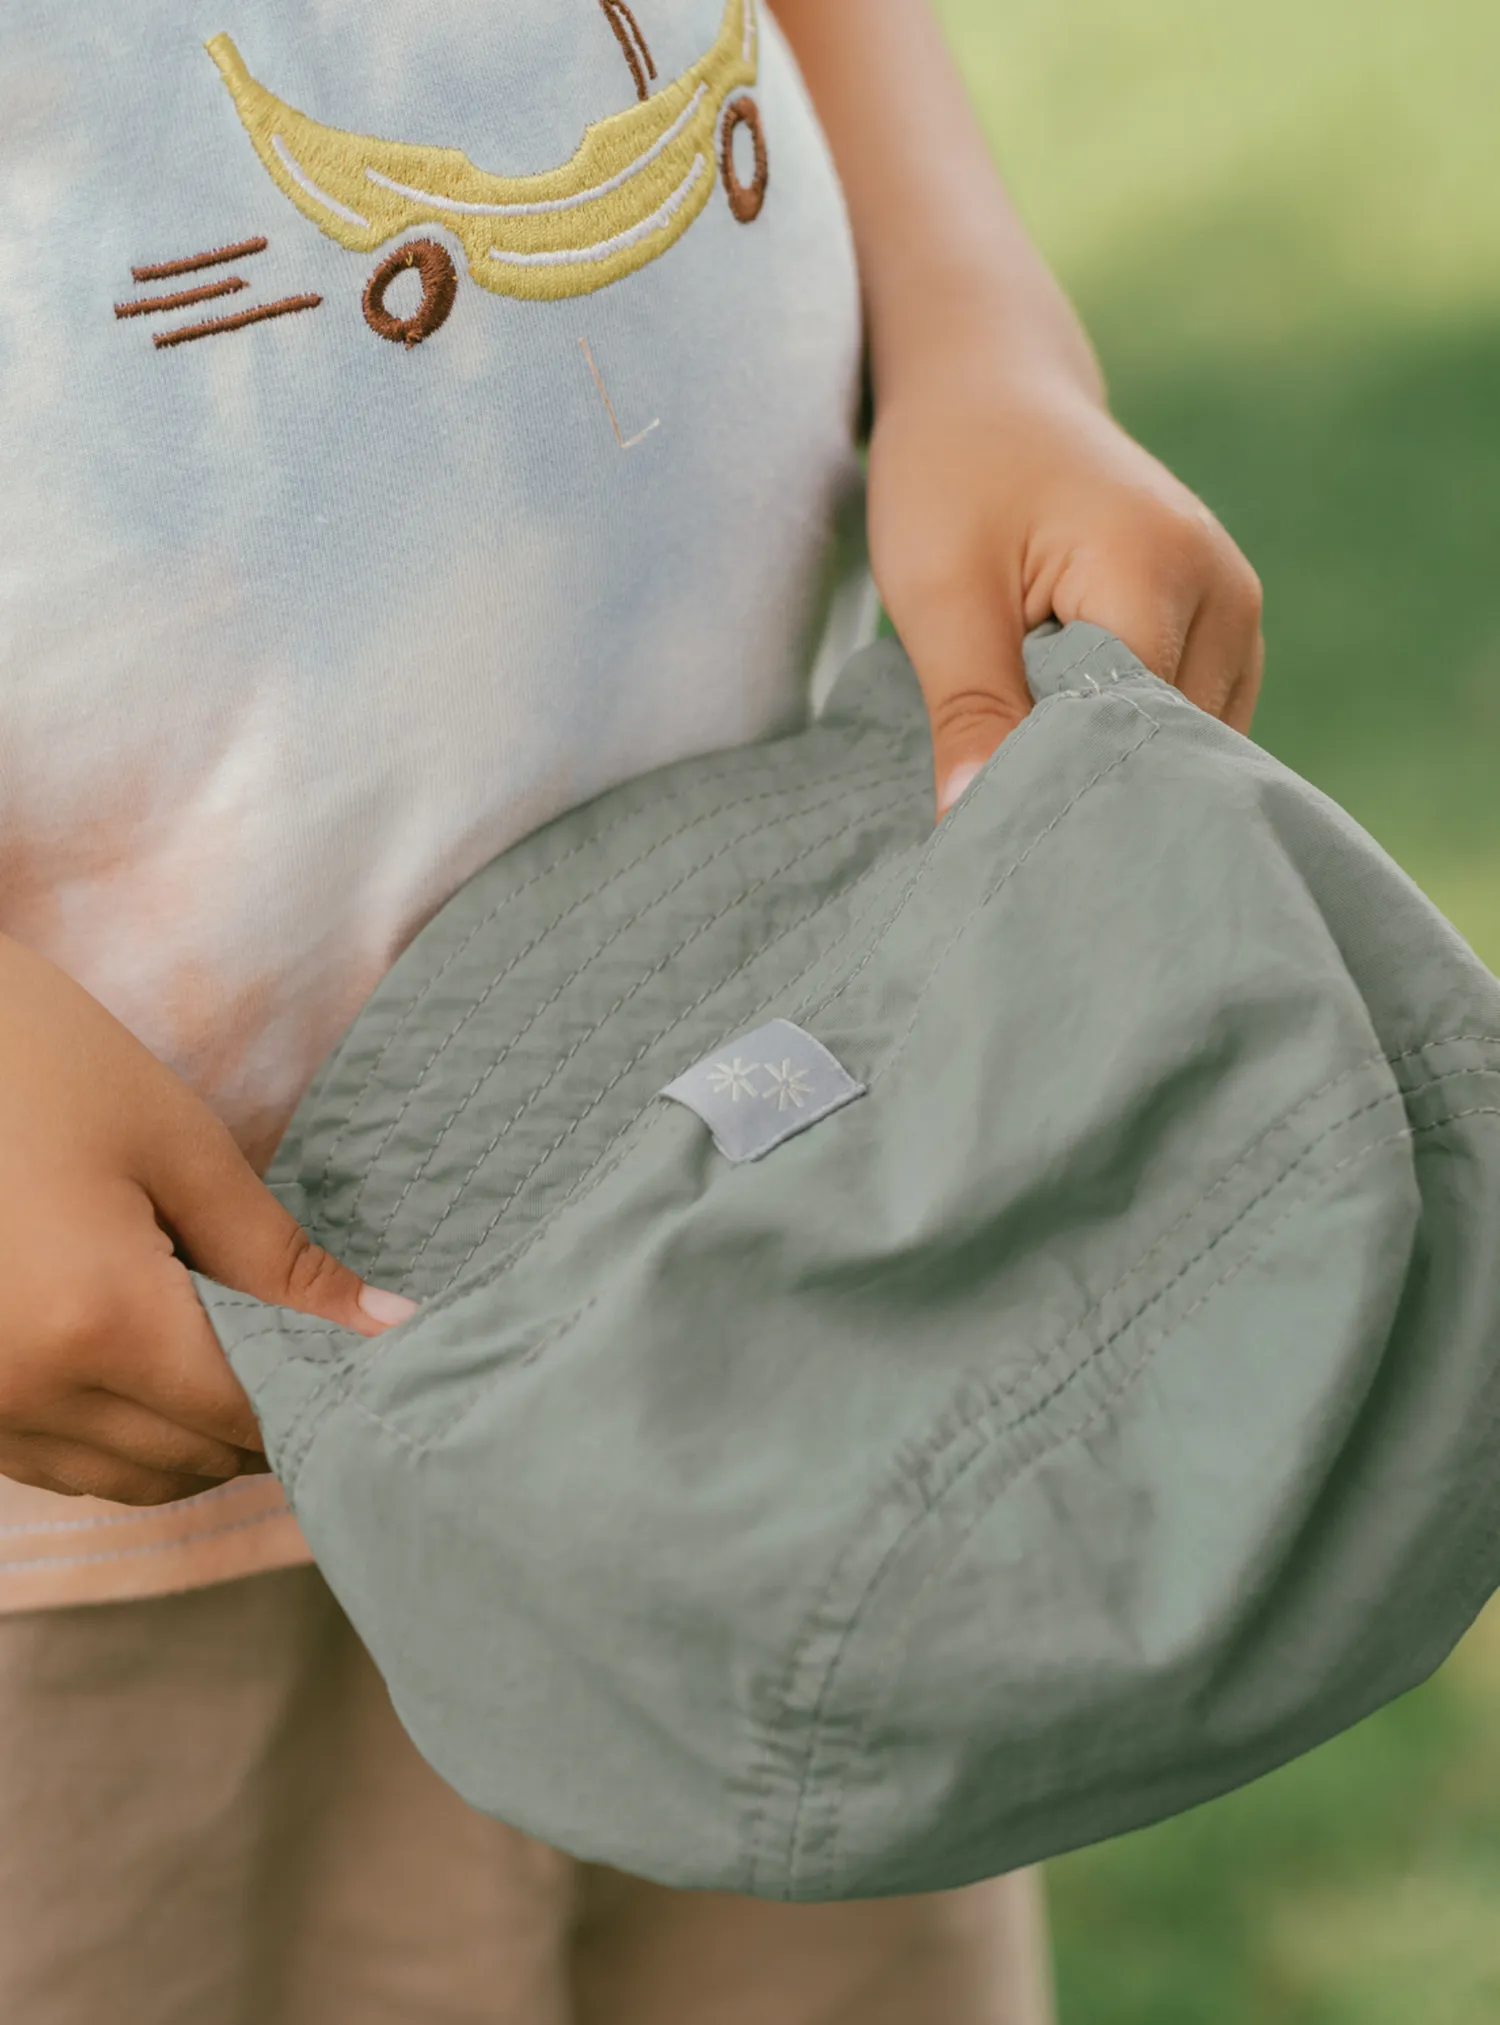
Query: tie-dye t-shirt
x=413 y=420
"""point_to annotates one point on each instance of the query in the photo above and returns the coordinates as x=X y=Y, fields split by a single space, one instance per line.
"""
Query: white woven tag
x=763 y=1088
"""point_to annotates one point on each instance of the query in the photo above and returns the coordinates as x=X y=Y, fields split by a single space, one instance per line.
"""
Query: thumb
x=233 y=1229
x=967 y=653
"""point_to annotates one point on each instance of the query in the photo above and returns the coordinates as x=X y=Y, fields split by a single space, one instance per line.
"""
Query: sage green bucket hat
x=936 y=1347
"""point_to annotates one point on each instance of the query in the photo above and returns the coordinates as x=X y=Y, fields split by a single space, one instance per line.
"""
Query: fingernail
x=386 y=1308
x=960 y=778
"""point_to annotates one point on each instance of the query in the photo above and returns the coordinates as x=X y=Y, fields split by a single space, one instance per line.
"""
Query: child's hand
x=112 y=1383
x=998 y=500
x=1001 y=493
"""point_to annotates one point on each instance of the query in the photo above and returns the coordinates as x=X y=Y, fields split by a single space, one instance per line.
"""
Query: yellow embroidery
x=637 y=182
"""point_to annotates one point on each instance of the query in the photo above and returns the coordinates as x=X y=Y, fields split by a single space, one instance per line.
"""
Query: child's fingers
x=75 y=1470
x=134 y=1433
x=1174 y=588
x=166 y=1363
x=232 y=1228
x=1147 y=598
x=966 y=649
x=1224 y=654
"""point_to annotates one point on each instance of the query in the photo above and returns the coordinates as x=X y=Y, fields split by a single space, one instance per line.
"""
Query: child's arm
x=112 y=1383
x=1001 y=492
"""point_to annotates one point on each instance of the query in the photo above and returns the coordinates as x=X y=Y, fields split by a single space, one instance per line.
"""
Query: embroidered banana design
x=636 y=183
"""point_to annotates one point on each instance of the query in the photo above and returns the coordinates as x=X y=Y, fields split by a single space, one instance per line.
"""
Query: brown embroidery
x=439 y=286
x=163 y=270
x=633 y=42
x=147 y=303
x=614 y=420
x=745 y=199
x=185 y=333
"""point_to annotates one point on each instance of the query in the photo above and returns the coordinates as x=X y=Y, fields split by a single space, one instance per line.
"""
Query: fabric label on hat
x=764 y=1087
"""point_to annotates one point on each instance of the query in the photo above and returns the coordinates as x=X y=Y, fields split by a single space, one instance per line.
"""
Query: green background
x=1282 y=225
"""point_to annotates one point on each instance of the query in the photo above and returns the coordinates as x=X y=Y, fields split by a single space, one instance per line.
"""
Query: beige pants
x=209 y=1812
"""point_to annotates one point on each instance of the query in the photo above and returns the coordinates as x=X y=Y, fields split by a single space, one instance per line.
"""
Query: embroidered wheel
x=745 y=199
x=439 y=280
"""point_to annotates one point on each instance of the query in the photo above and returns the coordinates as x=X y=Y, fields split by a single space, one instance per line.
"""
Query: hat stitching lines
x=879 y=777
x=998 y=1395
x=873 y=777
x=1114 y=651
x=460 y=949
x=431 y=984
x=593 y=1177
x=984 y=1440
x=599 y=1172
x=1123 y=1382
x=541 y=935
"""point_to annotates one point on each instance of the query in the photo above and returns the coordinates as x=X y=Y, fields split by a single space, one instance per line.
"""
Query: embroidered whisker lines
x=186 y=298
x=217 y=256
x=625 y=443
x=185 y=333
x=628 y=34
x=146 y=305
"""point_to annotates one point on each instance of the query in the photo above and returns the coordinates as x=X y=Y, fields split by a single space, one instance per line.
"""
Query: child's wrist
x=946 y=324
x=971 y=350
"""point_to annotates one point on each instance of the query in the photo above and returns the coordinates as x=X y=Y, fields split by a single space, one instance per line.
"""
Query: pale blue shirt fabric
x=299 y=627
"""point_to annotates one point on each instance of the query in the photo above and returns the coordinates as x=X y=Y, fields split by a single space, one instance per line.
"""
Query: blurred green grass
x=1282 y=224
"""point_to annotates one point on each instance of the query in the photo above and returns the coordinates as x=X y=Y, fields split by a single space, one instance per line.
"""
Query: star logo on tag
x=791 y=1087
x=764 y=1088
x=732 y=1079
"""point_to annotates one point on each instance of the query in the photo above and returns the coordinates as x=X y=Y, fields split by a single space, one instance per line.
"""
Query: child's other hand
x=999 y=499
x=112 y=1383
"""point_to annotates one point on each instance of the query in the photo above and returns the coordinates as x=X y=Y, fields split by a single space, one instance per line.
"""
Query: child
x=375 y=488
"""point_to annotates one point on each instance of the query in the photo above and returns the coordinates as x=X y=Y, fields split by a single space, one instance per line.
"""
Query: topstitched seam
x=1133 y=670
x=431 y=984
x=847 y=787
x=996 y=1398
x=1003 y=1390
x=996 y=1395
x=1065 y=1438
x=738 y=900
